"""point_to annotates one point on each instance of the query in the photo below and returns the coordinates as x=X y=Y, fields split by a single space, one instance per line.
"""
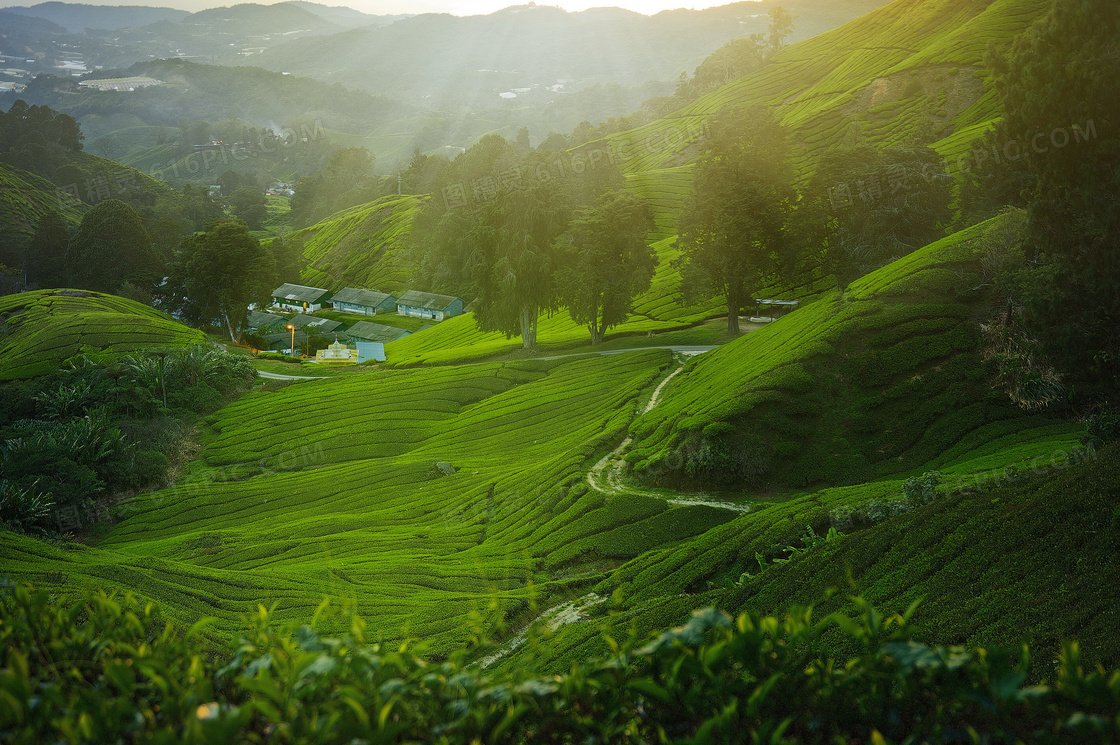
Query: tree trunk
x=596 y=336
x=528 y=322
x=229 y=326
x=734 y=303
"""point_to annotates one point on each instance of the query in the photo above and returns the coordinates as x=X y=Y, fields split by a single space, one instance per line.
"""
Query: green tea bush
x=109 y=669
x=923 y=489
x=1101 y=429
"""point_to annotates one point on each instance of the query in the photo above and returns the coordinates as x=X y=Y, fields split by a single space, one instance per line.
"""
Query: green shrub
x=108 y=669
x=923 y=489
x=1101 y=429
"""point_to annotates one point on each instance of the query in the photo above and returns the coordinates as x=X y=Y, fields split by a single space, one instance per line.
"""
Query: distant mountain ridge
x=76 y=17
x=476 y=58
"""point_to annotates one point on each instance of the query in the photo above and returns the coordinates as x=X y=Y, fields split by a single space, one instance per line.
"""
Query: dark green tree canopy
x=110 y=246
x=864 y=208
x=249 y=204
x=348 y=179
x=216 y=275
x=1059 y=86
x=37 y=138
x=46 y=256
x=732 y=227
x=604 y=261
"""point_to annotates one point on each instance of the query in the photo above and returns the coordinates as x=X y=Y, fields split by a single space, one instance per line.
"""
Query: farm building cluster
x=293 y=334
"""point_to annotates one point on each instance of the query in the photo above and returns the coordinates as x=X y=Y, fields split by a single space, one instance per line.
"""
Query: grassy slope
x=24 y=199
x=328 y=488
x=38 y=330
x=845 y=83
x=1031 y=560
x=361 y=246
x=871 y=388
x=879 y=380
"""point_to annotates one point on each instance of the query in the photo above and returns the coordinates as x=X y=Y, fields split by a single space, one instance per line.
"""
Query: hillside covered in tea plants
x=40 y=330
x=924 y=448
x=444 y=499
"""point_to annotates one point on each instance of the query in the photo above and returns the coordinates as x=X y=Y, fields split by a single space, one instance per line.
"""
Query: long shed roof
x=359 y=296
x=258 y=320
x=425 y=300
x=370 y=331
x=299 y=293
x=314 y=324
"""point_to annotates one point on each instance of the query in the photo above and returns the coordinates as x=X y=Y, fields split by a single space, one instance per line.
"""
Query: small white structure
x=336 y=354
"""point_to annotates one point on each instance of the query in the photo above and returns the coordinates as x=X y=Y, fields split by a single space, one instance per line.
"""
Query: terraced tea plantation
x=332 y=489
x=360 y=246
x=38 y=330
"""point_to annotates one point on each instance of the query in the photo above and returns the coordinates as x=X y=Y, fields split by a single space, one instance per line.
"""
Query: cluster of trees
x=747 y=226
x=217 y=273
x=207 y=277
x=104 y=425
x=348 y=179
x=37 y=138
x=1059 y=84
x=527 y=235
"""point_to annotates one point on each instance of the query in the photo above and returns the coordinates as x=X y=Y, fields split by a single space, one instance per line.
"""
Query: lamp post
x=293 y=330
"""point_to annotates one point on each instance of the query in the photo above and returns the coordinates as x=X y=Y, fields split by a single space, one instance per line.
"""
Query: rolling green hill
x=910 y=72
x=330 y=488
x=334 y=488
x=38 y=330
x=906 y=73
x=361 y=246
x=857 y=385
x=24 y=199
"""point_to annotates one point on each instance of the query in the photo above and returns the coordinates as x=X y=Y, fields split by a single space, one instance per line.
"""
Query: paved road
x=688 y=350
x=278 y=376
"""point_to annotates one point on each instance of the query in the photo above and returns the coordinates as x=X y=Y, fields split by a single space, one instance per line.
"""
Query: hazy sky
x=382 y=7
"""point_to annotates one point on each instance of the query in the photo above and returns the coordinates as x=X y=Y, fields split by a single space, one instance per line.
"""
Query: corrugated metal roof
x=425 y=300
x=300 y=293
x=314 y=324
x=258 y=320
x=376 y=332
x=358 y=296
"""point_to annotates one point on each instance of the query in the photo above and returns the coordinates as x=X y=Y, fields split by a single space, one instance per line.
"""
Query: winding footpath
x=605 y=476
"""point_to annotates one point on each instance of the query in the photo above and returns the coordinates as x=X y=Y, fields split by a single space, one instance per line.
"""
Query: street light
x=293 y=330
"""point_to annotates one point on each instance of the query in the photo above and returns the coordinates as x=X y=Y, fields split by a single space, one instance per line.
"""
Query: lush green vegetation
x=104 y=668
x=360 y=246
x=103 y=426
x=901 y=435
x=875 y=381
x=280 y=506
x=41 y=329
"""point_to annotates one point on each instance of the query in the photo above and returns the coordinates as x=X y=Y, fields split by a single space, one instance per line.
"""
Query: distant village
x=336 y=341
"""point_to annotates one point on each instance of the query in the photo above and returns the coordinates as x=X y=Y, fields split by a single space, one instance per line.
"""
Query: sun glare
x=649 y=7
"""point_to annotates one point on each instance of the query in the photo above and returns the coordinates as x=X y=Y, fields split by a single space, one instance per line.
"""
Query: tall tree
x=731 y=232
x=111 y=246
x=348 y=179
x=513 y=259
x=1059 y=86
x=604 y=261
x=216 y=275
x=288 y=257
x=781 y=26
x=249 y=204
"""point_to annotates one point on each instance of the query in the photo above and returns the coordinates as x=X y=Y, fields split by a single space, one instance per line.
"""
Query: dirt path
x=606 y=475
x=553 y=618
